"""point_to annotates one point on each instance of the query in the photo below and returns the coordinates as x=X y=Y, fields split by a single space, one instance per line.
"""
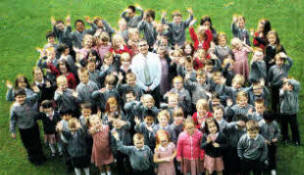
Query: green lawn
x=24 y=23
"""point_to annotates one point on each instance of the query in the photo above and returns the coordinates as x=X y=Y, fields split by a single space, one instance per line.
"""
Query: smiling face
x=271 y=39
x=242 y=101
x=212 y=127
x=86 y=112
x=143 y=47
x=189 y=128
x=79 y=26
x=148 y=102
x=218 y=114
x=139 y=143
x=20 y=99
x=253 y=133
x=163 y=120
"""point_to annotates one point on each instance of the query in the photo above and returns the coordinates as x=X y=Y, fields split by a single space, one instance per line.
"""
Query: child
x=178 y=121
x=86 y=87
x=177 y=27
x=239 y=29
x=148 y=28
x=207 y=23
x=259 y=110
x=140 y=155
x=289 y=107
x=218 y=113
x=64 y=70
x=50 y=118
x=259 y=91
x=164 y=154
x=61 y=31
x=147 y=103
x=252 y=149
x=65 y=98
x=276 y=74
x=233 y=133
x=123 y=29
x=274 y=47
x=202 y=113
x=146 y=128
x=259 y=37
x=103 y=44
x=21 y=82
x=103 y=26
x=227 y=69
x=203 y=37
x=130 y=15
x=119 y=46
x=214 y=144
x=64 y=51
x=130 y=85
x=109 y=66
x=241 y=106
x=184 y=97
x=22 y=115
x=222 y=50
x=258 y=70
x=271 y=132
x=240 y=51
x=163 y=123
x=189 y=153
x=76 y=146
x=102 y=155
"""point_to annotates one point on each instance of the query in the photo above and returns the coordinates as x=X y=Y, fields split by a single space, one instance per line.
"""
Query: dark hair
x=47 y=104
x=129 y=91
x=49 y=34
x=18 y=92
x=149 y=113
x=61 y=48
x=66 y=65
x=79 y=20
x=25 y=80
x=132 y=7
x=86 y=105
x=59 y=21
x=191 y=45
x=216 y=124
x=267 y=27
x=205 y=19
x=66 y=112
x=240 y=117
x=268 y=116
x=151 y=13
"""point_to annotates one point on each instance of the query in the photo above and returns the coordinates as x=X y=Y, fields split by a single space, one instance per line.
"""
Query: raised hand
x=68 y=20
x=53 y=20
x=88 y=19
x=164 y=14
x=192 y=22
x=9 y=84
x=189 y=10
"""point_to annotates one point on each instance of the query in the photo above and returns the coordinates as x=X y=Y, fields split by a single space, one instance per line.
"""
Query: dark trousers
x=156 y=95
x=123 y=164
x=231 y=162
x=31 y=140
x=150 y=171
x=251 y=165
x=275 y=99
x=272 y=151
x=292 y=120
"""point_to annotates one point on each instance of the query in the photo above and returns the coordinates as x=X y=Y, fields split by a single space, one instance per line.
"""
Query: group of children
x=220 y=113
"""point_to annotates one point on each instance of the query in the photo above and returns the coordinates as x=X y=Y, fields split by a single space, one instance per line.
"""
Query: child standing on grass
x=189 y=153
x=213 y=143
x=252 y=150
x=239 y=29
x=22 y=115
x=165 y=153
x=76 y=146
x=289 y=107
x=102 y=155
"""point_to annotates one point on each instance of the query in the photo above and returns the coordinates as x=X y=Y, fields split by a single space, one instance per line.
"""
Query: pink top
x=189 y=146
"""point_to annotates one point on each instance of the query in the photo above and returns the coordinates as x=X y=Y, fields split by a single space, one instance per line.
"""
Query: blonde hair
x=61 y=79
x=221 y=34
x=74 y=124
x=82 y=71
x=110 y=79
x=252 y=125
x=202 y=103
x=180 y=78
x=125 y=55
x=239 y=79
x=147 y=97
x=163 y=113
x=240 y=95
x=234 y=42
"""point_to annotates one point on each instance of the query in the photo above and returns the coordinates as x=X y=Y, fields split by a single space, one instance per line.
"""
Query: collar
x=256 y=138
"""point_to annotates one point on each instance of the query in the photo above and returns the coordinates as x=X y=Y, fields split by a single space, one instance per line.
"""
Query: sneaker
x=273 y=172
x=53 y=155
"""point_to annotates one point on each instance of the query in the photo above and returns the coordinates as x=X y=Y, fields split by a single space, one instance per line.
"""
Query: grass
x=24 y=23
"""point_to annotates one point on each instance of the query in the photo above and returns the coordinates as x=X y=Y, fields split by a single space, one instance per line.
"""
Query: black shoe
x=53 y=155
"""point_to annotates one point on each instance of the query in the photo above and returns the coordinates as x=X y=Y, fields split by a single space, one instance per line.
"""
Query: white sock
x=109 y=173
x=77 y=171
x=87 y=171
x=102 y=173
x=53 y=149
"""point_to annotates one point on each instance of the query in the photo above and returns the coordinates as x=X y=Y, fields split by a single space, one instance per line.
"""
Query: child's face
x=163 y=120
x=84 y=77
x=86 y=112
x=108 y=61
x=253 y=133
x=259 y=108
x=163 y=140
x=95 y=121
x=130 y=97
x=242 y=101
x=21 y=83
x=113 y=107
x=99 y=24
x=177 y=19
x=279 y=62
x=20 y=99
x=149 y=120
x=241 y=23
x=222 y=41
x=117 y=42
x=209 y=68
x=48 y=110
x=38 y=76
x=188 y=49
x=258 y=55
x=126 y=61
x=261 y=26
x=79 y=27
x=201 y=79
x=51 y=40
x=63 y=69
x=257 y=89
x=200 y=109
x=172 y=101
x=62 y=85
x=139 y=143
x=178 y=119
x=66 y=51
x=131 y=81
x=188 y=66
x=271 y=39
x=178 y=84
x=122 y=24
x=67 y=117
x=207 y=24
x=236 y=85
x=218 y=114
x=88 y=43
x=60 y=26
x=91 y=66
x=148 y=102
x=189 y=127
x=212 y=127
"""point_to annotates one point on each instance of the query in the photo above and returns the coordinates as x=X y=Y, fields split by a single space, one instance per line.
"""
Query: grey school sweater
x=22 y=115
x=85 y=91
x=289 y=99
x=269 y=130
x=252 y=149
x=257 y=71
x=66 y=100
x=63 y=35
x=140 y=159
x=276 y=73
x=149 y=31
x=77 y=37
x=133 y=22
x=197 y=90
x=177 y=31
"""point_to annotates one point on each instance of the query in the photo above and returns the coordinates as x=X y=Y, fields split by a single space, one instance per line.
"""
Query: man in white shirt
x=147 y=68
